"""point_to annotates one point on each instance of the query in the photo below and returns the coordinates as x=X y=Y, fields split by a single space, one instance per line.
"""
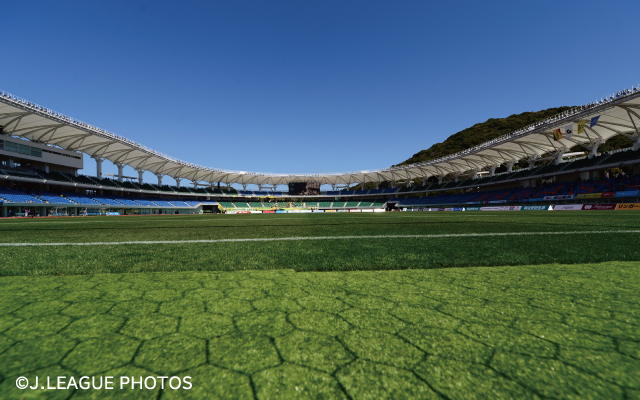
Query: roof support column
x=636 y=143
x=559 y=155
x=475 y=174
x=195 y=184
x=492 y=170
x=98 y=167
x=120 y=169
x=593 y=151
x=140 y=172
x=159 y=179
x=178 y=182
x=510 y=165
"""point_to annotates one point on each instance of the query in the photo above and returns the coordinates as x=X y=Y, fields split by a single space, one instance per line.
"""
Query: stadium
x=332 y=200
x=341 y=293
x=42 y=151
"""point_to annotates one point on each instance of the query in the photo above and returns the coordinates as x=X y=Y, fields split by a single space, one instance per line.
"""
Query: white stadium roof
x=619 y=115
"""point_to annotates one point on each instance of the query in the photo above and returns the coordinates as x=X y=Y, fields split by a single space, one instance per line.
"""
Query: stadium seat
x=106 y=201
x=81 y=199
x=52 y=198
x=161 y=202
x=126 y=201
x=17 y=196
x=179 y=203
x=146 y=203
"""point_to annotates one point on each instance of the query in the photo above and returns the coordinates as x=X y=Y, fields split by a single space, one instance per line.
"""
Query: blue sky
x=311 y=86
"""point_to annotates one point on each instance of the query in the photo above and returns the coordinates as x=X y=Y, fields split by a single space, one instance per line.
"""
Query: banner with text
x=628 y=193
x=628 y=206
x=560 y=197
x=535 y=208
x=503 y=208
x=567 y=207
x=597 y=207
x=589 y=196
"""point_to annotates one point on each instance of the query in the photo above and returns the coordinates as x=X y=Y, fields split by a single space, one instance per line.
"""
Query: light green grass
x=547 y=331
x=325 y=255
x=402 y=327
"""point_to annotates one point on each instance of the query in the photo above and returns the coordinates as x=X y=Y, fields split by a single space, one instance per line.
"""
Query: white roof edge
x=336 y=178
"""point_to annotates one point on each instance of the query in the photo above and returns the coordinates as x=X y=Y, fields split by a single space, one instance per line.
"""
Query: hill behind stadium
x=496 y=127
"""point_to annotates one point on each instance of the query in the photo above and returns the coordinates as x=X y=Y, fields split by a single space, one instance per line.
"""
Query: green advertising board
x=534 y=208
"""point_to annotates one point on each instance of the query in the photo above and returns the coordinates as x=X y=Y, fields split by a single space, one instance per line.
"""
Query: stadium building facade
x=41 y=152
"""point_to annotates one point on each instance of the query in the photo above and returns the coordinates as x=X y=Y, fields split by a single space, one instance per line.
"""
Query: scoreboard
x=304 y=188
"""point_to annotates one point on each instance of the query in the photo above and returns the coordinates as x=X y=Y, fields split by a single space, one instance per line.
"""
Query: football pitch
x=355 y=306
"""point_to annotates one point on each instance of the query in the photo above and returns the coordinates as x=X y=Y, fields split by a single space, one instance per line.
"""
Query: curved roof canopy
x=619 y=114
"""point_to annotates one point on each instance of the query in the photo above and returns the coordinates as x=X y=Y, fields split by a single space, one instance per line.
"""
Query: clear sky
x=310 y=86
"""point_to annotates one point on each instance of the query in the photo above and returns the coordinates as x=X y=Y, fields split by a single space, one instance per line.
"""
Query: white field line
x=284 y=239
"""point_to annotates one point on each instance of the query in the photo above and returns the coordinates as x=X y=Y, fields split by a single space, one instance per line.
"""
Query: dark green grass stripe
x=322 y=255
x=298 y=238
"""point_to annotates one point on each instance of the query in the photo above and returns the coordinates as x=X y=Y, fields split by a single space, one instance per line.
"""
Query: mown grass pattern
x=547 y=331
x=320 y=255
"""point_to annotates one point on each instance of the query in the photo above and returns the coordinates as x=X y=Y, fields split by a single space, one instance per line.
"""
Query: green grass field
x=337 y=254
x=359 y=318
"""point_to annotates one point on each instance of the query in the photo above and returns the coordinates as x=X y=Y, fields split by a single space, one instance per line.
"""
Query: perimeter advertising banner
x=560 y=197
x=268 y=212
x=608 y=194
x=330 y=210
x=628 y=193
x=367 y=210
x=534 y=208
x=318 y=210
x=378 y=210
x=589 y=196
x=472 y=208
x=503 y=208
x=568 y=207
x=597 y=207
x=281 y=212
x=628 y=206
